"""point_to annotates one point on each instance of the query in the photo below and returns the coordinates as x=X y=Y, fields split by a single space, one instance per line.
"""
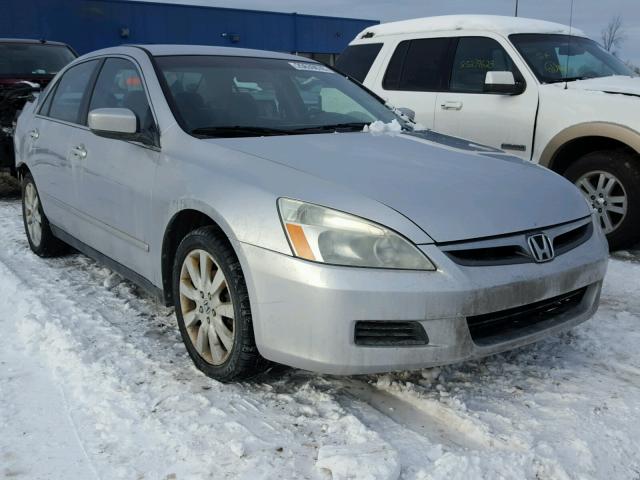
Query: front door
x=464 y=110
x=117 y=175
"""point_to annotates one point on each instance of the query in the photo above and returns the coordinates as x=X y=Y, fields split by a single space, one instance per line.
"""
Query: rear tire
x=610 y=181
x=214 y=316
x=36 y=225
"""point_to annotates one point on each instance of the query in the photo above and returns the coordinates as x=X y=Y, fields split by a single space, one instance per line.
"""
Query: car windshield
x=33 y=59
x=224 y=96
x=559 y=58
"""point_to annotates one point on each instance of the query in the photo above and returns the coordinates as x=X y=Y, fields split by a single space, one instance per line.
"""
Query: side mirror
x=114 y=123
x=407 y=112
x=502 y=83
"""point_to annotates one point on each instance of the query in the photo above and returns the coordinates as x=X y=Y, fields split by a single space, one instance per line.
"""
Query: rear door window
x=71 y=92
x=419 y=65
x=356 y=60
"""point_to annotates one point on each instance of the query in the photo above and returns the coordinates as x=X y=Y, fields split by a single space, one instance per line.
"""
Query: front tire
x=212 y=307
x=610 y=181
x=36 y=225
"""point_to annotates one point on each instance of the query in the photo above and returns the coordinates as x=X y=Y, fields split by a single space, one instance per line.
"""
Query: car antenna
x=566 y=67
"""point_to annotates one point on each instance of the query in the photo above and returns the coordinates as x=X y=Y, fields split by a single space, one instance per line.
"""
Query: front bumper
x=304 y=313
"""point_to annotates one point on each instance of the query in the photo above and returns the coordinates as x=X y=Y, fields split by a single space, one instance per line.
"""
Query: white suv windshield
x=559 y=58
x=241 y=96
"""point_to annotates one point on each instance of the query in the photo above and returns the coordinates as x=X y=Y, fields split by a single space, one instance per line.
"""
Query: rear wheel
x=610 y=181
x=41 y=240
x=212 y=307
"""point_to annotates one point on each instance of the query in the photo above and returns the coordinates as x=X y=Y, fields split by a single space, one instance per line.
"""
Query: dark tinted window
x=422 y=65
x=71 y=90
x=33 y=59
x=391 y=79
x=356 y=60
x=119 y=85
x=475 y=56
x=44 y=109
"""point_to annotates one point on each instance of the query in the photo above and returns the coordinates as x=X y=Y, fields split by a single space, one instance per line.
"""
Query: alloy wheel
x=32 y=214
x=207 y=309
x=607 y=197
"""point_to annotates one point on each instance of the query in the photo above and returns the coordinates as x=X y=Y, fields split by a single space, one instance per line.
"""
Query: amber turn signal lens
x=299 y=241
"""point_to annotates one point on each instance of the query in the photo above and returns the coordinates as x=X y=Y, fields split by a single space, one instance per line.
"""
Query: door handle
x=79 y=151
x=34 y=134
x=451 y=106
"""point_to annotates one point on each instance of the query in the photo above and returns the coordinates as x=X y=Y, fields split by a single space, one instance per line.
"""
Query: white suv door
x=464 y=110
x=416 y=72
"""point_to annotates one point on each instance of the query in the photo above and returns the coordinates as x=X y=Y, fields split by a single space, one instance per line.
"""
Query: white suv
x=539 y=90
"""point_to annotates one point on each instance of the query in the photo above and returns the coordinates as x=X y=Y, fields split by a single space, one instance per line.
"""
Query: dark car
x=26 y=66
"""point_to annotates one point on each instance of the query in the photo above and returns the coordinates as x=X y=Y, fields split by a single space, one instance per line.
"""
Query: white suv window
x=418 y=65
x=474 y=57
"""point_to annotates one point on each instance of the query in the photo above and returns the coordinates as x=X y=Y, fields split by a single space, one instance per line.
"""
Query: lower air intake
x=390 y=334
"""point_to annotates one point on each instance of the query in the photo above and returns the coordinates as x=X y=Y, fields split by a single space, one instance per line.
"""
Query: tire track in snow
x=149 y=405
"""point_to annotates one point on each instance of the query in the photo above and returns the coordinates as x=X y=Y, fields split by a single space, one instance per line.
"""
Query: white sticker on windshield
x=310 y=67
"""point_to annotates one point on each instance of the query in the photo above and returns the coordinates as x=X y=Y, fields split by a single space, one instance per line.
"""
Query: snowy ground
x=95 y=383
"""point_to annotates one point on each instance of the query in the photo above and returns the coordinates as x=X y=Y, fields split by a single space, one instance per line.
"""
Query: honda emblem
x=541 y=248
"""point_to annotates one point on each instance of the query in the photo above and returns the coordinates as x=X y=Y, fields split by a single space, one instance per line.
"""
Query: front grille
x=389 y=334
x=478 y=257
x=514 y=249
x=496 y=326
x=572 y=239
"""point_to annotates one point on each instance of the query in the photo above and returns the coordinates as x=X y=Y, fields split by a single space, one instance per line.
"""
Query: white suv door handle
x=34 y=134
x=79 y=151
x=451 y=106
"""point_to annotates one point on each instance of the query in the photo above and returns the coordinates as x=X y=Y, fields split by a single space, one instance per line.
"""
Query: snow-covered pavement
x=95 y=383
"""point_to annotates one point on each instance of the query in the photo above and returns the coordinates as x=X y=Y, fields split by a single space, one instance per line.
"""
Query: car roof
x=162 y=50
x=31 y=41
x=493 y=23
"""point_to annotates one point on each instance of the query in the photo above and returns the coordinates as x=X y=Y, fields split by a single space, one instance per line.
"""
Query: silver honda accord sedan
x=290 y=216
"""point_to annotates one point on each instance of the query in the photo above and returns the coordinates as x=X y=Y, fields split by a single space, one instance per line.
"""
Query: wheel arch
x=22 y=169
x=180 y=225
x=573 y=142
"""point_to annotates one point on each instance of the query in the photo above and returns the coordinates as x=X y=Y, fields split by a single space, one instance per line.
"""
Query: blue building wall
x=88 y=25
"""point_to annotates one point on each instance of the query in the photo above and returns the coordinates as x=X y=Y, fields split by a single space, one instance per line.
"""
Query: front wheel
x=610 y=181
x=212 y=307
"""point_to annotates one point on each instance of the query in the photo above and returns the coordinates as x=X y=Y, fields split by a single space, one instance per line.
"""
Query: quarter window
x=356 y=60
x=119 y=85
x=418 y=65
x=70 y=92
x=475 y=56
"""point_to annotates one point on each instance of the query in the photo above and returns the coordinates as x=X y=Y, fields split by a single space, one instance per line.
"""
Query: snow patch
x=380 y=128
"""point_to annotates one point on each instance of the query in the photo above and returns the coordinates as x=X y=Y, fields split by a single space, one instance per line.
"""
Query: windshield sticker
x=310 y=67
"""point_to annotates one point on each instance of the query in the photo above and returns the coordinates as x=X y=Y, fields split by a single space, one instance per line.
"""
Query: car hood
x=451 y=194
x=614 y=84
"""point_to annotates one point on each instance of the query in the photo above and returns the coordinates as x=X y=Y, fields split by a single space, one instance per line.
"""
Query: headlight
x=324 y=235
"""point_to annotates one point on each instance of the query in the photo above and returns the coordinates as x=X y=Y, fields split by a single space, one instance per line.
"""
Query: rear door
x=118 y=175
x=416 y=72
x=55 y=171
x=464 y=110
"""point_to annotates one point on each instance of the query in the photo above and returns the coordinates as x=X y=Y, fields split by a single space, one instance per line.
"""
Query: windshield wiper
x=568 y=79
x=350 y=126
x=237 y=131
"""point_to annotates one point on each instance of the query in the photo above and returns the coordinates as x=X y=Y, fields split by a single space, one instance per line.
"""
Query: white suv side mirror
x=502 y=82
